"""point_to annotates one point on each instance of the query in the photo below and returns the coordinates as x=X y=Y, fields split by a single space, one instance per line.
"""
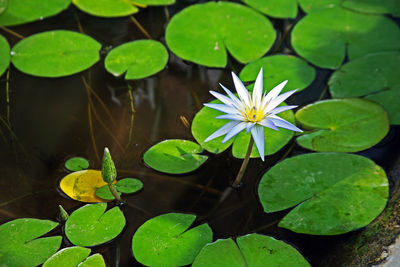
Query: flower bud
x=108 y=170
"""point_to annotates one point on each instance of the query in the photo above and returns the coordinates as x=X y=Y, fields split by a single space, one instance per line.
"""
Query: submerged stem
x=115 y=194
x=244 y=164
x=143 y=30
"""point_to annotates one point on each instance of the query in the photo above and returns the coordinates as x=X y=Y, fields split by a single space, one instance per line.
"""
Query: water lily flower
x=251 y=112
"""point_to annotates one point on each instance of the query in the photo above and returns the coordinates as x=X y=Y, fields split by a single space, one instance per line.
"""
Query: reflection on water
x=53 y=119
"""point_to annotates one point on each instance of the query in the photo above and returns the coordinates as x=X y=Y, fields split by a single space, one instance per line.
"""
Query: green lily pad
x=334 y=192
x=166 y=241
x=174 y=156
x=23 y=11
x=106 y=8
x=105 y=193
x=3 y=6
x=323 y=37
x=202 y=33
x=309 y=6
x=342 y=125
x=21 y=246
x=139 y=59
x=4 y=54
x=77 y=164
x=55 y=53
x=277 y=69
x=129 y=185
x=104 y=226
x=374 y=77
x=155 y=2
x=74 y=257
x=275 y=8
x=205 y=123
x=251 y=250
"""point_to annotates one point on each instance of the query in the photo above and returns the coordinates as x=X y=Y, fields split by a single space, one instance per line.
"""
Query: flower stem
x=239 y=176
x=115 y=194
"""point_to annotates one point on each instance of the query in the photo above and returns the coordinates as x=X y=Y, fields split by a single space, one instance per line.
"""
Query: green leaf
x=129 y=185
x=4 y=54
x=3 y=6
x=174 y=156
x=275 y=8
x=325 y=36
x=342 y=125
x=139 y=59
x=202 y=33
x=374 y=77
x=55 y=53
x=205 y=123
x=155 y=2
x=277 y=69
x=166 y=241
x=106 y=8
x=77 y=164
x=21 y=246
x=74 y=257
x=310 y=6
x=103 y=226
x=23 y=11
x=334 y=192
x=105 y=193
x=252 y=250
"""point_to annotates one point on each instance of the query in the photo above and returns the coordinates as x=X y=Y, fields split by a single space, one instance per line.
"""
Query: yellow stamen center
x=253 y=114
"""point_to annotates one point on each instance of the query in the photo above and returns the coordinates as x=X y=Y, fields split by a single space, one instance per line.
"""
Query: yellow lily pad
x=82 y=185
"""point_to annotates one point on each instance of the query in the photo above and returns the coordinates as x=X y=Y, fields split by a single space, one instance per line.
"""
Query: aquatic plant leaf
x=203 y=33
x=139 y=59
x=75 y=257
x=251 y=250
x=4 y=54
x=374 y=77
x=278 y=68
x=129 y=185
x=21 y=246
x=104 y=226
x=106 y=8
x=23 y=11
x=174 y=156
x=55 y=53
x=155 y=2
x=334 y=192
x=342 y=125
x=166 y=240
x=105 y=193
x=275 y=8
x=3 y=5
x=205 y=123
x=82 y=185
x=325 y=36
x=77 y=164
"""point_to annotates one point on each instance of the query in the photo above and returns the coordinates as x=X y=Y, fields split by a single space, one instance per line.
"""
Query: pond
x=45 y=121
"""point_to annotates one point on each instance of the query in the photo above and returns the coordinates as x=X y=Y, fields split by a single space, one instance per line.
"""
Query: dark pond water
x=50 y=122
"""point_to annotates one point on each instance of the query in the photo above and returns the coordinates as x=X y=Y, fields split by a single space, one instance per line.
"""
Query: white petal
x=283 y=123
x=222 y=107
x=221 y=131
x=224 y=99
x=258 y=88
x=250 y=126
x=234 y=117
x=234 y=131
x=241 y=90
x=275 y=102
x=258 y=135
x=266 y=122
x=274 y=92
x=281 y=109
x=233 y=97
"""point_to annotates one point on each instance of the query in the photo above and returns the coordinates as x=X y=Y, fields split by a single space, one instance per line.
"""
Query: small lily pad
x=374 y=77
x=174 y=156
x=251 y=250
x=166 y=240
x=275 y=8
x=106 y=8
x=334 y=192
x=77 y=164
x=202 y=33
x=342 y=125
x=325 y=36
x=75 y=257
x=4 y=54
x=55 y=53
x=277 y=69
x=21 y=246
x=3 y=6
x=139 y=59
x=23 y=11
x=105 y=193
x=205 y=123
x=155 y=2
x=92 y=226
x=82 y=185
x=126 y=186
